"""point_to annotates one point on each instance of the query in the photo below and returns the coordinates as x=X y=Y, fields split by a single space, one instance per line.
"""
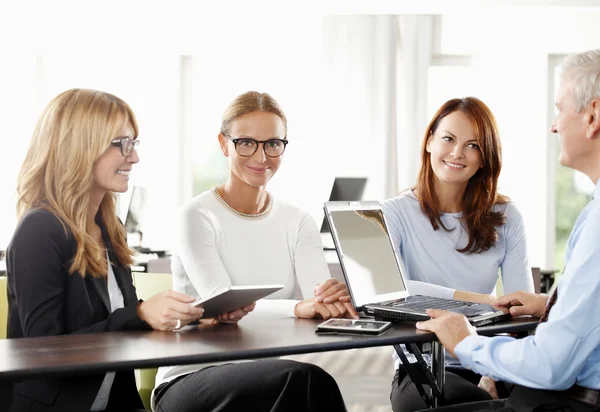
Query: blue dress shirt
x=566 y=349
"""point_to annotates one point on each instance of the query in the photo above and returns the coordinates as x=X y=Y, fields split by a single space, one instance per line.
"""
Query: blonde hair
x=75 y=129
x=250 y=102
x=583 y=70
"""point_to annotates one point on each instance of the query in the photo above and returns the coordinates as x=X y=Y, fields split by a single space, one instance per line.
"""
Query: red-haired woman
x=454 y=231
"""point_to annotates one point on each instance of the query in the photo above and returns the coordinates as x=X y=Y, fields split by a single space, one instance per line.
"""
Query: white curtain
x=376 y=86
x=414 y=58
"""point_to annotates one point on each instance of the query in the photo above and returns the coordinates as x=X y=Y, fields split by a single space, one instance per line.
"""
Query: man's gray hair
x=582 y=70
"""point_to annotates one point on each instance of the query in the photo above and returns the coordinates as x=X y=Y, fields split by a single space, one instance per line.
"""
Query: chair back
x=536 y=273
x=3 y=307
x=146 y=286
x=149 y=284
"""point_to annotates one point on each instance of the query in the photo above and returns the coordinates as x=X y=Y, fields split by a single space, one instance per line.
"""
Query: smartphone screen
x=353 y=326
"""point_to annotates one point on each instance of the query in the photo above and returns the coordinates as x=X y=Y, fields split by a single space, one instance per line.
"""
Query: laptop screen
x=367 y=256
x=345 y=188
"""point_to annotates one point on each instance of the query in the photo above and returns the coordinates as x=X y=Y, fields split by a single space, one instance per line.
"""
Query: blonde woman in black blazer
x=68 y=261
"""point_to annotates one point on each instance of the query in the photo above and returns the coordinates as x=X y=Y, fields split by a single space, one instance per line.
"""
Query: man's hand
x=489 y=385
x=451 y=328
x=310 y=308
x=523 y=303
x=236 y=315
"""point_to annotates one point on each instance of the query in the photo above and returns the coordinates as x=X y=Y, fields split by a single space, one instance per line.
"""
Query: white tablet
x=234 y=298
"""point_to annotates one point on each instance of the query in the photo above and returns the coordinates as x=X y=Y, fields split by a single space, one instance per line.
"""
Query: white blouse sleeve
x=416 y=287
x=310 y=268
x=309 y=260
x=197 y=246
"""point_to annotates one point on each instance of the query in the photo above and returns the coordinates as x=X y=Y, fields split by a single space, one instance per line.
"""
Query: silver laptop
x=375 y=274
x=343 y=189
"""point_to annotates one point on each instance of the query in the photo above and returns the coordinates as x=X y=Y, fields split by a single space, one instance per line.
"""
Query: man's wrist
x=465 y=348
x=542 y=309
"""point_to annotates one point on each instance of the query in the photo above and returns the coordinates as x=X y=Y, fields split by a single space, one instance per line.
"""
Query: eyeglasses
x=246 y=147
x=126 y=144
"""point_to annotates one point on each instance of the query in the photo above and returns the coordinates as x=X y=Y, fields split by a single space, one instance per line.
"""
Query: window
x=573 y=189
x=146 y=83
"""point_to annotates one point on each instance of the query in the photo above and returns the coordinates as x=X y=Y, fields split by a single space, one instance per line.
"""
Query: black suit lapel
x=122 y=274
x=102 y=289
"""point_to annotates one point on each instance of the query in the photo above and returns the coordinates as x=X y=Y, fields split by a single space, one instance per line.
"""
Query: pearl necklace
x=249 y=216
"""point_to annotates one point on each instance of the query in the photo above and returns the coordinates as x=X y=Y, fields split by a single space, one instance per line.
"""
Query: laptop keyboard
x=428 y=302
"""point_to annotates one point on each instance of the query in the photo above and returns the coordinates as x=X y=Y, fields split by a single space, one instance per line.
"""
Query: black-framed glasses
x=246 y=146
x=127 y=144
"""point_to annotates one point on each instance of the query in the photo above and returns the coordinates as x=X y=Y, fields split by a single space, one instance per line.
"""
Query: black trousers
x=524 y=399
x=460 y=387
x=265 y=385
x=76 y=394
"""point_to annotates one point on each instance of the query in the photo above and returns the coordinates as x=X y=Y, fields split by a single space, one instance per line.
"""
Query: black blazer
x=44 y=300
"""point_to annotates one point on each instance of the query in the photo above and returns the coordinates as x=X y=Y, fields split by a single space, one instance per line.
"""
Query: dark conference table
x=250 y=339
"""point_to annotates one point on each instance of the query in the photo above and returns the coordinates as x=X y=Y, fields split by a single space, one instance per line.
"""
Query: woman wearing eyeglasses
x=455 y=232
x=237 y=233
x=68 y=260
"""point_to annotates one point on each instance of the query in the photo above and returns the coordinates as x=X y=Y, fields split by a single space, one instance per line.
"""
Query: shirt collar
x=597 y=190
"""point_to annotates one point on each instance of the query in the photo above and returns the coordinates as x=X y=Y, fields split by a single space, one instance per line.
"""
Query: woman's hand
x=236 y=315
x=330 y=291
x=333 y=291
x=231 y=317
x=310 y=308
x=489 y=385
x=169 y=310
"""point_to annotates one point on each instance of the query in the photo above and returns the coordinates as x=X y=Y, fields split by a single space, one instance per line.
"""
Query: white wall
x=147 y=83
x=192 y=63
x=18 y=94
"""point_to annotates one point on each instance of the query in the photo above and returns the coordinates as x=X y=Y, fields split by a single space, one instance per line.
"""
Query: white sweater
x=215 y=249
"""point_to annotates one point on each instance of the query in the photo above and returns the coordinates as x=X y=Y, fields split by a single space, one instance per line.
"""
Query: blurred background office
x=358 y=81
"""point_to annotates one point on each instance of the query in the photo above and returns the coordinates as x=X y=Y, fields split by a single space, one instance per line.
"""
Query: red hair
x=481 y=194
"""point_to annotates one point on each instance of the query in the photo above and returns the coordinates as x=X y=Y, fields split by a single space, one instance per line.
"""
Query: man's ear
x=223 y=143
x=592 y=120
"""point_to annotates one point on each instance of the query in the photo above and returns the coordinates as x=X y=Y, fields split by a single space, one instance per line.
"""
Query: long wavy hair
x=74 y=130
x=481 y=195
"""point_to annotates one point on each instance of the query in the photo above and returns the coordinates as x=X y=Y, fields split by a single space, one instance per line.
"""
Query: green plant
x=569 y=203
